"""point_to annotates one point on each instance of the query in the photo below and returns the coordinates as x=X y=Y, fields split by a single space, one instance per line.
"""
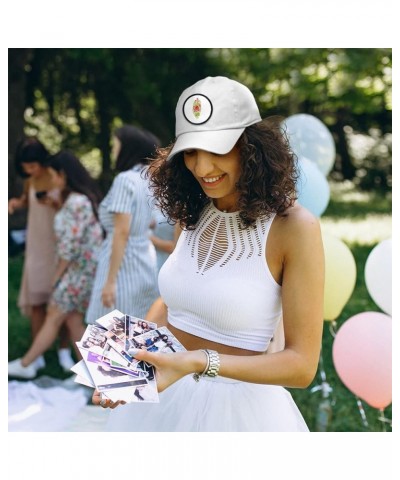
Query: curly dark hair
x=267 y=182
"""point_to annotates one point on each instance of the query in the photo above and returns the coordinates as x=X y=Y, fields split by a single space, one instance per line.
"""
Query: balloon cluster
x=314 y=147
x=362 y=346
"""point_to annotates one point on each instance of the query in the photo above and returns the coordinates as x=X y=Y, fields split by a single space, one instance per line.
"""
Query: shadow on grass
x=358 y=209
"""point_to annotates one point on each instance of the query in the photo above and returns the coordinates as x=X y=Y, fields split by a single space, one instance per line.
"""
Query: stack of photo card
x=108 y=364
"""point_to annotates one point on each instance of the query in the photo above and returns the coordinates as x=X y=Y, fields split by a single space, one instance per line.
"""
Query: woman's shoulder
x=76 y=199
x=297 y=225
x=124 y=179
x=297 y=215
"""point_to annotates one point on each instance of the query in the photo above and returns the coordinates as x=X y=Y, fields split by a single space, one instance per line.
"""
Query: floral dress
x=78 y=237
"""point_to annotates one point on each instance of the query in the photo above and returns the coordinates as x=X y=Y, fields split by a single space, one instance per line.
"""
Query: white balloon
x=312 y=187
x=378 y=275
x=309 y=137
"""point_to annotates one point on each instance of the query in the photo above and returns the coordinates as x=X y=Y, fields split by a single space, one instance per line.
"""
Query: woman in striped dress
x=126 y=276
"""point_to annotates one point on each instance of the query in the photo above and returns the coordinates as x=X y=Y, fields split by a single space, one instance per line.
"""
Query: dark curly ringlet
x=267 y=182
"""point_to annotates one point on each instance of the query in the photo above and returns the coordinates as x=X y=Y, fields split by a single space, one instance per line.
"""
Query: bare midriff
x=191 y=342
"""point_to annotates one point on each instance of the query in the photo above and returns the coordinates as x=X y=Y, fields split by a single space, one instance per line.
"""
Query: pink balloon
x=362 y=356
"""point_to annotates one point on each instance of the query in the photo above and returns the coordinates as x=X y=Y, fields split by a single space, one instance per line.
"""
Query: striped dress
x=137 y=276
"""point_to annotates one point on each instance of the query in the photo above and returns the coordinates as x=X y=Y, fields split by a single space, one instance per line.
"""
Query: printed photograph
x=108 y=321
x=159 y=340
x=93 y=339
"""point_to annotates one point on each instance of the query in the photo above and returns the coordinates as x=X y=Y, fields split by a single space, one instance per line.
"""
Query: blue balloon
x=312 y=187
x=310 y=138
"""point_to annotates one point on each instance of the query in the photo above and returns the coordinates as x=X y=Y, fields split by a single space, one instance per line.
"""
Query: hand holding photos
x=108 y=364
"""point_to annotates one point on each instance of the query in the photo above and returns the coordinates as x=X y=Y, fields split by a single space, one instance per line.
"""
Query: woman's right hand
x=14 y=204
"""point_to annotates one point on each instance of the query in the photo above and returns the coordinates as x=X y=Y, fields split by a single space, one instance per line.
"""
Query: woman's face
x=33 y=169
x=115 y=148
x=217 y=174
x=58 y=179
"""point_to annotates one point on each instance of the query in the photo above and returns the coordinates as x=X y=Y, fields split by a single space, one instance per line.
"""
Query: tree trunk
x=343 y=160
x=105 y=178
x=18 y=58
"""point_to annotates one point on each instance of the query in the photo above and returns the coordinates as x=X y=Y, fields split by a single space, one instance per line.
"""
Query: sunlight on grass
x=357 y=217
x=368 y=231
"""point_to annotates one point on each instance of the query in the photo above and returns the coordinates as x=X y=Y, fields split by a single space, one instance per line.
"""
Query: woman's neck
x=228 y=205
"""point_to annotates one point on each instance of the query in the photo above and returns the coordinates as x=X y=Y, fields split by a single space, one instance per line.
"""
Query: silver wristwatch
x=212 y=367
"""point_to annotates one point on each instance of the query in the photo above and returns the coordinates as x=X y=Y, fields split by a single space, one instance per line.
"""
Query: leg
x=64 y=353
x=74 y=323
x=46 y=336
x=38 y=316
x=64 y=337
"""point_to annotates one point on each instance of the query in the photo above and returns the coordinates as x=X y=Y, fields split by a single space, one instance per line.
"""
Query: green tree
x=82 y=94
x=348 y=89
x=74 y=98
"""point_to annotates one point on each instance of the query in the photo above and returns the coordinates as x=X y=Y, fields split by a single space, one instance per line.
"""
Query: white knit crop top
x=217 y=284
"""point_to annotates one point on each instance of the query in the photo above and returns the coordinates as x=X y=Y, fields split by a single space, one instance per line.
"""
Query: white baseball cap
x=212 y=114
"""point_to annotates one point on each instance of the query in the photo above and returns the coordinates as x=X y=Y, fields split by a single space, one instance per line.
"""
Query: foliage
x=75 y=97
x=348 y=89
x=85 y=93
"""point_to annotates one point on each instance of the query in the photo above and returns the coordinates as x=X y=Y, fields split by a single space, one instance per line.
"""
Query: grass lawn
x=361 y=221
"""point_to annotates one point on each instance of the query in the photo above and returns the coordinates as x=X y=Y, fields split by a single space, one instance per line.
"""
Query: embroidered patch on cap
x=197 y=109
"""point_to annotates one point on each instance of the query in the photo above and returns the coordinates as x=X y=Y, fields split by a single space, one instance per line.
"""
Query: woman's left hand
x=98 y=399
x=50 y=202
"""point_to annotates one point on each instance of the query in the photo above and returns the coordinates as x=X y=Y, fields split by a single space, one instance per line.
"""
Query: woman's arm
x=17 y=203
x=158 y=313
x=62 y=266
x=163 y=245
x=166 y=245
x=122 y=224
x=302 y=305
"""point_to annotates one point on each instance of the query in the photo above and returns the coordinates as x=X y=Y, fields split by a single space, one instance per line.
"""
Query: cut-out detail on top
x=218 y=240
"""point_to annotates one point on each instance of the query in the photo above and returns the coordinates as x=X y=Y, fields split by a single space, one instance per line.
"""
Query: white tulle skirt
x=212 y=405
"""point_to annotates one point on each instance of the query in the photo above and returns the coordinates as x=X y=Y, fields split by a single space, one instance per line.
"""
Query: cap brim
x=216 y=141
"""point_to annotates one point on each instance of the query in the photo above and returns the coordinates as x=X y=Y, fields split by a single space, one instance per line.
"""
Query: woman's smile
x=210 y=182
x=217 y=174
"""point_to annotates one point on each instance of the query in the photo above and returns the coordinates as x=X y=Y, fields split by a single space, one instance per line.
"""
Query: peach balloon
x=362 y=356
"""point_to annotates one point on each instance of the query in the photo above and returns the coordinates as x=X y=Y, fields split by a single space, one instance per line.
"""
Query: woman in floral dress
x=78 y=236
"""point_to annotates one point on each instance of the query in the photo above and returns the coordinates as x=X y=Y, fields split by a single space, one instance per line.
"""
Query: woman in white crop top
x=248 y=256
